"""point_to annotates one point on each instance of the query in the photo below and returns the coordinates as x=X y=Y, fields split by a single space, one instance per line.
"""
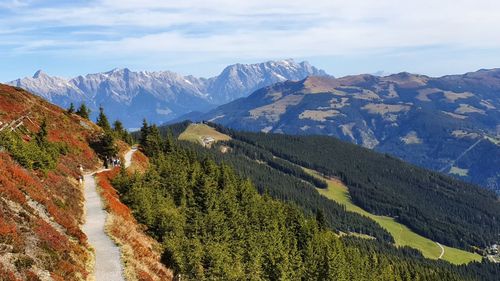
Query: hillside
x=247 y=155
x=214 y=225
x=288 y=182
x=162 y=95
x=202 y=134
x=447 y=124
x=41 y=201
x=403 y=236
x=41 y=210
x=446 y=210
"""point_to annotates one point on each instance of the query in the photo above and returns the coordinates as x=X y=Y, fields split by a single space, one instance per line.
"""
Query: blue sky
x=200 y=37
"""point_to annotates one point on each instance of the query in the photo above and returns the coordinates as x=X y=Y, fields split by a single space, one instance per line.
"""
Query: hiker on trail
x=80 y=177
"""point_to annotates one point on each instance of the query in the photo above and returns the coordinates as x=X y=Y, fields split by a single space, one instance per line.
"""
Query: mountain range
x=161 y=96
x=448 y=124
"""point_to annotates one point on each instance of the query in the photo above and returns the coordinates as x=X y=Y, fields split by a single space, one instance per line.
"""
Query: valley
x=428 y=121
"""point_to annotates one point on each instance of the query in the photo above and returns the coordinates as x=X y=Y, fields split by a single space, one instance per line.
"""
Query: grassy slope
x=402 y=235
x=195 y=133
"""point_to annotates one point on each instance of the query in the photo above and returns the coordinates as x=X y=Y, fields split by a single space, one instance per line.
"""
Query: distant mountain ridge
x=449 y=124
x=163 y=95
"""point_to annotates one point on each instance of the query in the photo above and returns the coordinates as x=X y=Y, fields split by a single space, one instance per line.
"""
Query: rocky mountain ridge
x=163 y=95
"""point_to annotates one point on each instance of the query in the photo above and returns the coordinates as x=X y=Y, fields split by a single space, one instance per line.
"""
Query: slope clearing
x=202 y=134
x=403 y=236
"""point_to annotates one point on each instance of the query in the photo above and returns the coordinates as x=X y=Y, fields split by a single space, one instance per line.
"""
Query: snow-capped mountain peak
x=240 y=80
x=161 y=95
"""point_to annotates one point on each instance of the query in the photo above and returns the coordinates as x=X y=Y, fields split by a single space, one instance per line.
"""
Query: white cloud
x=12 y=4
x=249 y=29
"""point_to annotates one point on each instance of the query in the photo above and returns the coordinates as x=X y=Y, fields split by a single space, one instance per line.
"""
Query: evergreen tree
x=153 y=145
x=169 y=142
x=144 y=133
x=121 y=133
x=71 y=108
x=41 y=136
x=83 y=111
x=118 y=127
x=109 y=148
x=320 y=219
x=102 y=120
x=105 y=145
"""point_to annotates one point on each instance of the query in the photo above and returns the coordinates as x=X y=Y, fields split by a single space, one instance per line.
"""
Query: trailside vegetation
x=40 y=201
x=104 y=144
x=83 y=111
x=71 y=109
x=121 y=133
x=36 y=152
x=102 y=120
x=214 y=225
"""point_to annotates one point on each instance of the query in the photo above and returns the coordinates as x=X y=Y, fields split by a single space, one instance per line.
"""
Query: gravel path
x=108 y=265
x=128 y=157
x=442 y=250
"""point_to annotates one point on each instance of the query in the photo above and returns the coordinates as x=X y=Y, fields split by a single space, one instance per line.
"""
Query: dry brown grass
x=140 y=163
x=196 y=133
x=382 y=109
x=466 y=109
x=140 y=253
x=318 y=115
x=273 y=111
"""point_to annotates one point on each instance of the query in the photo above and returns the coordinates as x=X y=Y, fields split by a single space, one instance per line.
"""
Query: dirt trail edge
x=128 y=157
x=442 y=250
x=108 y=266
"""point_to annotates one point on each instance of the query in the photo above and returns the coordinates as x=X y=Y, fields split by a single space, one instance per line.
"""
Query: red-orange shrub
x=111 y=196
x=10 y=191
x=56 y=277
x=50 y=236
x=31 y=276
x=144 y=276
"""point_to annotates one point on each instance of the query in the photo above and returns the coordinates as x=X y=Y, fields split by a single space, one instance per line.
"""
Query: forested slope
x=214 y=225
x=434 y=205
x=289 y=182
